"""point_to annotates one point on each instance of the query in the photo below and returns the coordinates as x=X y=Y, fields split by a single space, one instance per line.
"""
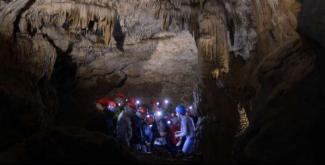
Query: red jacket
x=173 y=129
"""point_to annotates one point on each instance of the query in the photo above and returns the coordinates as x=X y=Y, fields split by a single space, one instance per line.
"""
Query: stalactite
x=272 y=4
x=213 y=44
x=171 y=10
x=244 y=36
x=76 y=16
x=207 y=48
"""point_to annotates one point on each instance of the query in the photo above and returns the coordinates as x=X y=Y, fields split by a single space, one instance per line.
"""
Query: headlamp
x=158 y=113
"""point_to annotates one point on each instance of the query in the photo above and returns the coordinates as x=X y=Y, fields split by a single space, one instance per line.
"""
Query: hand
x=179 y=144
x=162 y=134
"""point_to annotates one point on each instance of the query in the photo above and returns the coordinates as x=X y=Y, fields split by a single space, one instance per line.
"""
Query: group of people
x=149 y=127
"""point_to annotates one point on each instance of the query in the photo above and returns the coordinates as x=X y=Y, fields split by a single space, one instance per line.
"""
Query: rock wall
x=281 y=102
x=234 y=39
x=231 y=52
x=109 y=44
x=311 y=22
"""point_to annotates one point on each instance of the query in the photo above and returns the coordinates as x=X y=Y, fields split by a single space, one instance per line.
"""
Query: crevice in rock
x=119 y=36
x=64 y=77
x=18 y=17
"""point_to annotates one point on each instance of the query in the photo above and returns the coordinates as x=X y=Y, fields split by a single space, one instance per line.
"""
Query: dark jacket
x=137 y=130
x=110 y=121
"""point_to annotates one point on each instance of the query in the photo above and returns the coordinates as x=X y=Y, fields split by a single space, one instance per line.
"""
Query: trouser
x=138 y=147
x=171 y=147
x=110 y=126
x=146 y=148
x=188 y=145
x=123 y=141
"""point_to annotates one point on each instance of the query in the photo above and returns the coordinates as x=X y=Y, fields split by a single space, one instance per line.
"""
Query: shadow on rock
x=68 y=145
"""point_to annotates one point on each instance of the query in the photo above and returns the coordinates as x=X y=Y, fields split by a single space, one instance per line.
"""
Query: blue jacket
x=187 y=127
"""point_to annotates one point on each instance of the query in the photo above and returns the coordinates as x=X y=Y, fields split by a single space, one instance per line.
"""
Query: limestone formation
x=59 y=56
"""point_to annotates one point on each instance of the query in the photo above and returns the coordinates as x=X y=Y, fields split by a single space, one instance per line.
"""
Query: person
x=143 y=129
x=137 y=128
x=120 y=100
x=148 y=133
x=97 y=120
x=187 y=130
x=102 y=103
x=106 y=108
x=160 y=127
x=109 y=113
x=174 y=126
x=132 y=103
x=156 y=105
x=162 y=133
x=124 y=127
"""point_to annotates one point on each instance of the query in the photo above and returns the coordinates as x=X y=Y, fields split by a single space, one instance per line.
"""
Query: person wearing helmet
x=124 y=127
x=97 y=120
x=120 y=100
x=187 y=130
x=109 y=113
x=174 y=127
x=106 y=108
x=135 y=121
x=156 y=105
x=148 y=133
x=132 y=103
x=145 y=128
x=161 y=129
x=102 y=103
x=162 y=132
x=120 y=95
x=137 y=140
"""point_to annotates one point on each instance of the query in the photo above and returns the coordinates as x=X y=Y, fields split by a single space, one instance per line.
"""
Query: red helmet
x=132 y=100
x=143 y=110
x=149 y=119
x=120 y=98
x=120 y=95
x=155 y=102
x=132 y=103
x=105 y=102
x=112 y=104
